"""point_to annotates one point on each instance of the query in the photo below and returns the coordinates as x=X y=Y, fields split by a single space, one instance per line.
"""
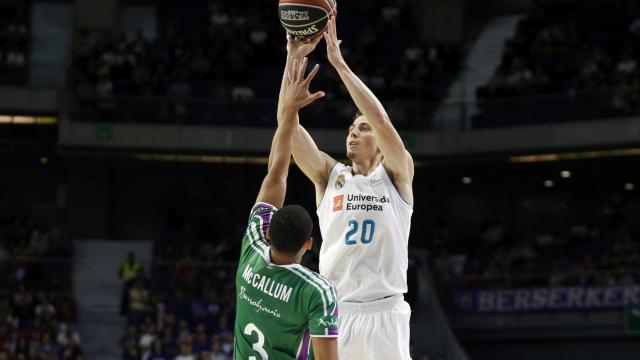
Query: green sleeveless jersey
x=278 y=307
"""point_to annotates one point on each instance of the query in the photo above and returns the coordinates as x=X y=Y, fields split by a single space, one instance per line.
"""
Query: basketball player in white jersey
x=364 y=212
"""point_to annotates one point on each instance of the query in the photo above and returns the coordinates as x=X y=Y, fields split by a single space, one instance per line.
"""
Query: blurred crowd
x=223 y=52
x=582 y=255
x=37 y=308
x=185 y=307
x=169 y=317
x=14 y=41
x=584 y=51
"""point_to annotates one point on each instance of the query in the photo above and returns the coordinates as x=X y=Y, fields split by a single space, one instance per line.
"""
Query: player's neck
x=365 y=167
x=284 y=259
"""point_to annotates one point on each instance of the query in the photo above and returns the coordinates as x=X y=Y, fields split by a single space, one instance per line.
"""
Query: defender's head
x=290 y=230
x=361 y=140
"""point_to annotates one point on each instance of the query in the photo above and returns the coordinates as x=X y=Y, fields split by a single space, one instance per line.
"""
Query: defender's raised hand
x=295 y=91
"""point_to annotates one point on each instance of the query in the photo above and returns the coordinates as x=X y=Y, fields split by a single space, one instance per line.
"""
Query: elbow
x=379 y=118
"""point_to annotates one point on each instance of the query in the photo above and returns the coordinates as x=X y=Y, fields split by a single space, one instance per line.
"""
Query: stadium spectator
x=138 y=302
x=201 y=343
x=44 y=311
x=157 y=352
x=216 y=350
x=67 y=336
x=186 y=353
x=129 y=270
x=147 y=337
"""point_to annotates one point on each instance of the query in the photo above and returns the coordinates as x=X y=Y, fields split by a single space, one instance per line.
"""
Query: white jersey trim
x=325 y=336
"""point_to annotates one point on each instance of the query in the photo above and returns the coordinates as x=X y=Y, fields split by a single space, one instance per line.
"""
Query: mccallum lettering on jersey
x=359 y=202
x=257 y=304
x=266 y=285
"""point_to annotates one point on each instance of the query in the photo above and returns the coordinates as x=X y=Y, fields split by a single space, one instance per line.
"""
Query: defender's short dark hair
x=290 y=228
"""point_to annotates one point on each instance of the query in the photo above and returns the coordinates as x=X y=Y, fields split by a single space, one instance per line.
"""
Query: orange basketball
x=306 y=19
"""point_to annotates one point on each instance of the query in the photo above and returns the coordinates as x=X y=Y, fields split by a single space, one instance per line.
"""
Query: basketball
x=305 y=19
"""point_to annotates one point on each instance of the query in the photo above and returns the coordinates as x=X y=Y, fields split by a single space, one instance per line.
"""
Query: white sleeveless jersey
x=365 y=227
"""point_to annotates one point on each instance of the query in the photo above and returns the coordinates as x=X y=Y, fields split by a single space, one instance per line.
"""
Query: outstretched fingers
x=295 y=71
x=298 y=69
x=313 y=97
x=332 y=28
x=303 y=68
x=311 y=74
x=330 y=35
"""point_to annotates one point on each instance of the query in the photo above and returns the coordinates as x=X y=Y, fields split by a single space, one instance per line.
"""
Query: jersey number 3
x=366 y=233
x=257 y=347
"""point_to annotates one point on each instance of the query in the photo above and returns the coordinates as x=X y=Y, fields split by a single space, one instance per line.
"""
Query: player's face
x=361 y=141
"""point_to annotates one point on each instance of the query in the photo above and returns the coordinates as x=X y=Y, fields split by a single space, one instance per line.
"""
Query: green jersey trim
x=257 y=232
x=326 y=288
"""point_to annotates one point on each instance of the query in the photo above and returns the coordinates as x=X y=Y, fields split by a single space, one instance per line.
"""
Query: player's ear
x=309 y=243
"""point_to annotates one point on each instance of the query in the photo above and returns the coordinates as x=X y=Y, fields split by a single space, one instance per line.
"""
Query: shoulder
x=262 y=212
x=338 y=167
x=316 y=283
x=262 y=207
x=332 y=169
x=320 y=288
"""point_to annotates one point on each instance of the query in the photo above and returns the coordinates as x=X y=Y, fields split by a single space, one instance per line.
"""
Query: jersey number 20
x=257 y=347
x=366 y=233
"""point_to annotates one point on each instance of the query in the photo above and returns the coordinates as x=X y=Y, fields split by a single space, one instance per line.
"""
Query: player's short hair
x=356 y=115
x=290 y=228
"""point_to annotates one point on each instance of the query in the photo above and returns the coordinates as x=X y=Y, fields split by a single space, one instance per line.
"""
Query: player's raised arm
x=296 y=50
x=314 y=163
x=293 y=96
x=397 y=159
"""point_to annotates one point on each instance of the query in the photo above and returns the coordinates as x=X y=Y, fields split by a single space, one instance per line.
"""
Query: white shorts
x=375 y=330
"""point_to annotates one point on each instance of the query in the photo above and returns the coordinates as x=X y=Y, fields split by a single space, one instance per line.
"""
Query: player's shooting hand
x=299 y=48
x=333 y=44
x=296 y=94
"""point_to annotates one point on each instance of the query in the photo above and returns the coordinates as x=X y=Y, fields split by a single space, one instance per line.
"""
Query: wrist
x=288 y=110
x=340 y=65
x=295 y=55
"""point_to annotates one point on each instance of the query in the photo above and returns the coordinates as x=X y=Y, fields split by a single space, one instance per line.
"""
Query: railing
x=255 y=112
x=326 y=113
x=542 y=278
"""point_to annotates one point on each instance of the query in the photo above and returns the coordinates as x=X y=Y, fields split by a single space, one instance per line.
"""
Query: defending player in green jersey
x=283 y=307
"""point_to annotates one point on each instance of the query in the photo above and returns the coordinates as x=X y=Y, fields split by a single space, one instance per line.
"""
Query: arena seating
x=178 y=77
x=569 y=60
x=14 y=42
x=36 y=300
